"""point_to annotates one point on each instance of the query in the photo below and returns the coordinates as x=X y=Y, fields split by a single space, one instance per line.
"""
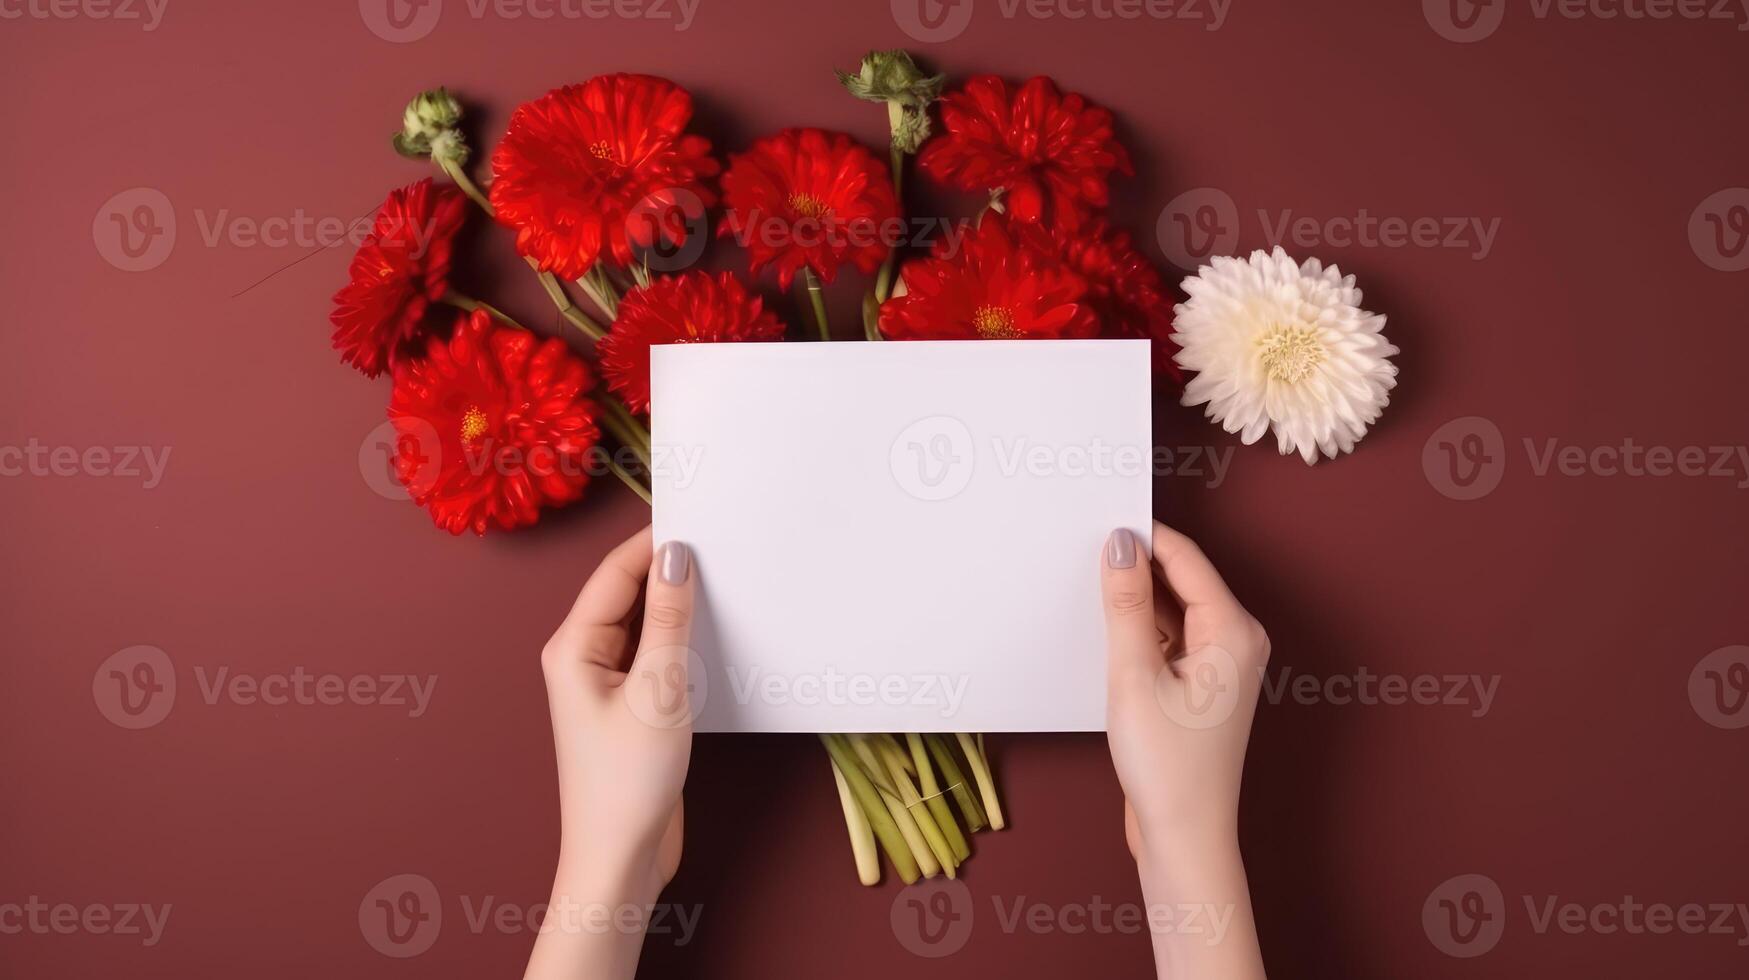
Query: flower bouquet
x=610 y=196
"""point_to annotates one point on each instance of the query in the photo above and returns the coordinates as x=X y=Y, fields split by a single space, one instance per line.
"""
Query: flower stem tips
x=893 y=795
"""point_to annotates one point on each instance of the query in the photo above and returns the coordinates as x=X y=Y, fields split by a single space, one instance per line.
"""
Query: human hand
x=1185 y=667
x=622 y=723
x=1184 y=670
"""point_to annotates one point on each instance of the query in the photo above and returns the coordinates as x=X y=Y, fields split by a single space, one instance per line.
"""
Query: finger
x=1168 y=622
x=1228 y=637
x=1189 y=574
x=663 y=649
x=1127 y=585
x=595 y=629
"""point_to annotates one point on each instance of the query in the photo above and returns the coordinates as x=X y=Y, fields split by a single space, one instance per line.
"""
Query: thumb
x=1132 y=641
x=664 y=652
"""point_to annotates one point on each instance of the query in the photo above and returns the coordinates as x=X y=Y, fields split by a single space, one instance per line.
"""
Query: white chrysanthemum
x=1284 y=346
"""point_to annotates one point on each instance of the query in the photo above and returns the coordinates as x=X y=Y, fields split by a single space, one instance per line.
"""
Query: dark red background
x=1592 y=597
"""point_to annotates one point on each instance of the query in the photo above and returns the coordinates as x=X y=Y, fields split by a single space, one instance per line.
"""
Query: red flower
x=995 y=285
x=600 y=167
x=691 y=308
x=491 y=426
x=1124 y=288
x=809 y=198
x=402 y=267
x=1035 y=145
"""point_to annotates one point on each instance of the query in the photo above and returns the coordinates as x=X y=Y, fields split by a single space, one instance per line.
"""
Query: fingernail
x=673 y=563
x=1120 y=551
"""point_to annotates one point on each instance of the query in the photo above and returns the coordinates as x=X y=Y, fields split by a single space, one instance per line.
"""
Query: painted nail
x=1120 y=551
x=673 y=563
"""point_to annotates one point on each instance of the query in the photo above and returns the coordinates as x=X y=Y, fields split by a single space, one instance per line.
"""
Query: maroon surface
x=1592 y=319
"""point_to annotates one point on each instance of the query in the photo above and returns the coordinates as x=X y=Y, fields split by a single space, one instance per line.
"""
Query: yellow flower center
x=1290 y=353
x=995 y=323
x=601 y=150
x=473 y=423
x=808 y=206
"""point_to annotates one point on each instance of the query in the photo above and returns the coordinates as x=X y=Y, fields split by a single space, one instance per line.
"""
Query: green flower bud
x=428 y=128
x=891 y=76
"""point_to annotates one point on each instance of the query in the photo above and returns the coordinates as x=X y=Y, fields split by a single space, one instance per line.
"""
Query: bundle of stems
x=896 y=795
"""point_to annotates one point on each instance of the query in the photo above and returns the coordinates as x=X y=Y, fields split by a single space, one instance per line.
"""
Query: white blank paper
x=900 y=537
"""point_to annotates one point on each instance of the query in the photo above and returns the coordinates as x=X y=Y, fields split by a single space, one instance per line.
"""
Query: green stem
x=902 y=817
x=871 y=765
x=618 y=409
x=871 y=317
x=937 y=802
x=470 y=304
x=921 y=813
x=456 y=173
x=963 y=792
x=886 y=831
x=986 y=780
x=628 y=479
x=567 y=309
x=627 y=436
x=862 y=838
x=582 y=321
x=891 y=747
x=617 y=279
x=600 y=291
x=884 y=280
x=819 y=301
